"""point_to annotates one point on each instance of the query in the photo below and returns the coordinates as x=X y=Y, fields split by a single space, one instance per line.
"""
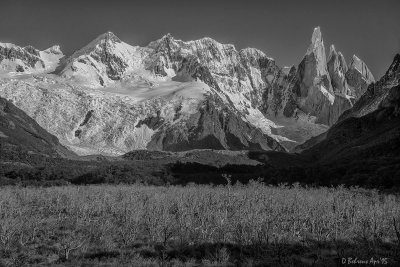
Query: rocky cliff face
x=111 y=97
x=337 y=69
x=313 y=85
x=358 y=77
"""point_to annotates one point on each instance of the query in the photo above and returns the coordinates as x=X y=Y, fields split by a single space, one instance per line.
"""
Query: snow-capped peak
x=106 y=40
x=55 y=49
x=104 y=60
x=108 y=36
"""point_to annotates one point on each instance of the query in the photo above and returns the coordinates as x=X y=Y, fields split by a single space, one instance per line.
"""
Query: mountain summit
x=327 y=89
x=104 y=60
x=317 y=48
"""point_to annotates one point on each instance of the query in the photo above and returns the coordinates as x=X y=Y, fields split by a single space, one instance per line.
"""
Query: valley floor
x=232 y=225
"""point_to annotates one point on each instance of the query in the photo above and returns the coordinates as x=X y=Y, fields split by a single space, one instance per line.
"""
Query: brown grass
x=241 y=225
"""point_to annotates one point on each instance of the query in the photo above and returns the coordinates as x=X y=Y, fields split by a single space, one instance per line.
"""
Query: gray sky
x=282 y=29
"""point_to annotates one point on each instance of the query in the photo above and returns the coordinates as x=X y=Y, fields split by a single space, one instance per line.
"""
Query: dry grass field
x=233 y=225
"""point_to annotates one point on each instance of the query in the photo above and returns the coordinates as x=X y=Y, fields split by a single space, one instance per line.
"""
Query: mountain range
x=111 y=97
x=179 y=112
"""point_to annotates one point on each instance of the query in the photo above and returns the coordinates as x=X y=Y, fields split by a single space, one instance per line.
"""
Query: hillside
x=20 y=135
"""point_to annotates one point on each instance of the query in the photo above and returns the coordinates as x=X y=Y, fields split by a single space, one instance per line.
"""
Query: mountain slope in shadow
x=20 y=135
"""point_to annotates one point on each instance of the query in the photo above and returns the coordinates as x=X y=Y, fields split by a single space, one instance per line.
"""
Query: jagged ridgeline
x=110 y=97
x=370 y=129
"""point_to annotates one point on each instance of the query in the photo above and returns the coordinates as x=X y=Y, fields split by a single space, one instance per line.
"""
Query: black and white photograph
x=199 y=133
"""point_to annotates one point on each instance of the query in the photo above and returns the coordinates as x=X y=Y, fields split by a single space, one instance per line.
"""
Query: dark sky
x=282 y=29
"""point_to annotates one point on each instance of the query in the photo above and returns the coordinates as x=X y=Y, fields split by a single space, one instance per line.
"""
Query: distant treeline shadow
x=369 y=174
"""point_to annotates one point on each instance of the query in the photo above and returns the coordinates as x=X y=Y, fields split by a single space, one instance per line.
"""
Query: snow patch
x=256 y=118
x=51 y=60
x=327 y=94
x=297 y=129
